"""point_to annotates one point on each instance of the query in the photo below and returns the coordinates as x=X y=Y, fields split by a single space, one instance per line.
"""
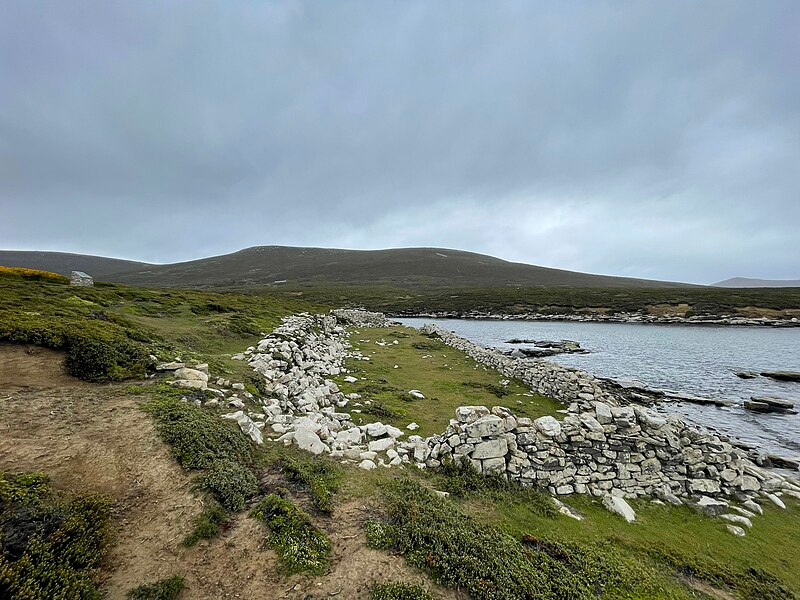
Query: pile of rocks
x=304 y=405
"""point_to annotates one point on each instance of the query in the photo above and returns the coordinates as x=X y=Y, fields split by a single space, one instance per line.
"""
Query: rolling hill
x=275 y=265
x=747 y=282
x=64 y=262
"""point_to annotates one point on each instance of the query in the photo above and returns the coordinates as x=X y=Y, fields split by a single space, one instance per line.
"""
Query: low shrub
x=231 y=483
x=198 y=438
x=493 y=388
x=207 y=525
x=458 y=551
x=300 y=545
x=49 y=547
x=95 y=350
x=318 y=475
x=461 y=478
x=398 y=591
x=166 y=589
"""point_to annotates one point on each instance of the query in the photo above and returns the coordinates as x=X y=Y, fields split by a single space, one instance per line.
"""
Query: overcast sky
x=649 y=139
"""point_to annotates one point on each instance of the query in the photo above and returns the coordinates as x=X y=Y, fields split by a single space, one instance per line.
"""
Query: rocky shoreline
x=621 y=317
x=604 y=445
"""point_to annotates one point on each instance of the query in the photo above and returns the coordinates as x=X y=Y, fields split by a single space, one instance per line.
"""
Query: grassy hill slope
x=64 y=262
x=406 y=267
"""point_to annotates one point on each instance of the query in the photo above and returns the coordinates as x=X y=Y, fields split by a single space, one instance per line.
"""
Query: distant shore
x=607 y=318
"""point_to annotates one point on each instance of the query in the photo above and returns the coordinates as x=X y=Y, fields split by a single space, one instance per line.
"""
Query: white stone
x=308 y=440
x=351 y=379
x=367 y=465
x=776 y=501
x=737 y=531
x=486 y=426
x=490 y=449
x=416 y=394
x=194 y=384
x=619 y=506
x=412 y=426
x=376 y=429
x=548 y=425
x=738 y=519
x=381 y=445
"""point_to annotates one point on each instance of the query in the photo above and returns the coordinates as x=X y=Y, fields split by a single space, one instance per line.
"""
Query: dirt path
x=94 y=438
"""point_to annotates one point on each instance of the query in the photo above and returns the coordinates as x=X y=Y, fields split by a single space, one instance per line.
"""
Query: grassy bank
x=402 y=359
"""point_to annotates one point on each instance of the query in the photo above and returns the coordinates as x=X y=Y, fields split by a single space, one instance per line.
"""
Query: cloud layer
x=644 y=139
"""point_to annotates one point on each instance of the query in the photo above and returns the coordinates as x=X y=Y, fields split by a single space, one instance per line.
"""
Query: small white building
x=81 y=279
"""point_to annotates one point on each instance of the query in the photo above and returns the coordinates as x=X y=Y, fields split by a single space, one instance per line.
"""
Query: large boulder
x=486 y=426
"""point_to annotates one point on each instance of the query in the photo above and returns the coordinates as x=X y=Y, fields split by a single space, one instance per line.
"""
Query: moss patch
x=318 y=475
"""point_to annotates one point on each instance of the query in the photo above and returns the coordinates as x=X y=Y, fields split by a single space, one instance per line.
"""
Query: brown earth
x=92 y=438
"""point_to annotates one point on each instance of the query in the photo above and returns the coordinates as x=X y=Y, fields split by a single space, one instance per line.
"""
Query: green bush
x=458 y=551
x=300 y=545
x=95 y=350
x=207 y=525
x=166 y=589
x=49 y=548
x=461 y=478
x=398 y=591
x=198 y=438
x=318 y=475
x=229 y=482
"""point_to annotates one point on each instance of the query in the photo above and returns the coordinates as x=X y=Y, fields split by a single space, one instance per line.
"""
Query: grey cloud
x=643 y=139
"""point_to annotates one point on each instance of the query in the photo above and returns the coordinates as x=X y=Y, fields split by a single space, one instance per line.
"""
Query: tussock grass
x=301 y=546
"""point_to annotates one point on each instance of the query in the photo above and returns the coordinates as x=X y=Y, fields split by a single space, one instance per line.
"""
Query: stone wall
x=599 y=447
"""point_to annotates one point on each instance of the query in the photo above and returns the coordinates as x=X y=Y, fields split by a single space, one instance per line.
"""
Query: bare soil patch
x=92 y=438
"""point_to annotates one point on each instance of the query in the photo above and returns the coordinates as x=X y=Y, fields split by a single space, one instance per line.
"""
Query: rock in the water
x=746 y=374
x=782 y=375
x=619 y=506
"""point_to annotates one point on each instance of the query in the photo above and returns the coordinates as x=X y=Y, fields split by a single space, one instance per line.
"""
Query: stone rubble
x=602 y=446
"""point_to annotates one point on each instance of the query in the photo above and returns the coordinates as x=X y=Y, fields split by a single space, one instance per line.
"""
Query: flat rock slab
x=618 y=506
x=782 y=375
x=775 y=402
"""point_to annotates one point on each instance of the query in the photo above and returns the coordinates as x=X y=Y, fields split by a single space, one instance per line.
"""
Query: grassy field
x=668 y=552
x=446 y=377
x=554 y=300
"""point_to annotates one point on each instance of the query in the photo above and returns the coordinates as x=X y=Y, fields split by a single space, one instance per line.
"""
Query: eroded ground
x=94 y=438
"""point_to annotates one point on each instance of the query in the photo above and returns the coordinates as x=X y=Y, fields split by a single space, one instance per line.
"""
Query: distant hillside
x=406 y=267
x=746 y=282
x=64 y=262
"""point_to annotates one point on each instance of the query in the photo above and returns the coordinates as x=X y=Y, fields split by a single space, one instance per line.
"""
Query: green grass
x=457 y=550
x=107 y=331
x=448 y=379
x=678 y=539
x=207 y=525
x=50 y=546
x=166 y=589
x=301 y=546
x=318 y=475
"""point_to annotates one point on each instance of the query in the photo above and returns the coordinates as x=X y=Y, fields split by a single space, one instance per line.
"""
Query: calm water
x=697 y=359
